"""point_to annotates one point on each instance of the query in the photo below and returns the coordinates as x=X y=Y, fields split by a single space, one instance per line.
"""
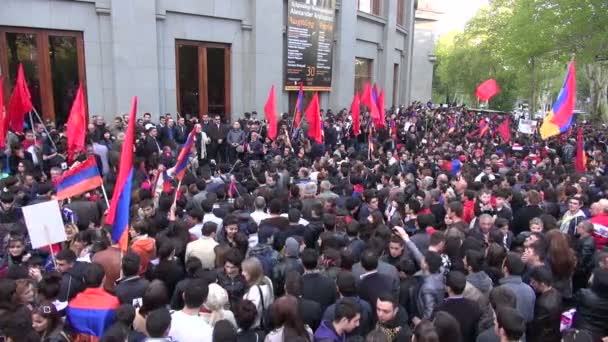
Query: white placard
x=44 y=223
x=526 y=126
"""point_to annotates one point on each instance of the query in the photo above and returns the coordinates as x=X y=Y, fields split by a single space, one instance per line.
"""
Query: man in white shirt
x=204 y=248
x=186 y=324
x=259 y=214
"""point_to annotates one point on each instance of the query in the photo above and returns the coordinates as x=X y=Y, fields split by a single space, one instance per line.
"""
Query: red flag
x=381 y=121
x=313 y=116
x=355 y=110
x=487 y=89
x=3 y=121
x=270 y=110
x=580 y=162
x=367 y=100
x=20 y=102
x=77 y=125
x=504 y=130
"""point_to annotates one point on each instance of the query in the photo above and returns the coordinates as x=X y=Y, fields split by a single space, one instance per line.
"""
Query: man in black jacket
x=316 y=286
x=72 y=272
x=466 y=311
x=524 y=215
x=373 y=282
x=547 y=308
x=585 y=249
x=131 y=287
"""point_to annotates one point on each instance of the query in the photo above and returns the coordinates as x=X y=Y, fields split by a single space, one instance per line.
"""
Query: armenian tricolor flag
x=91 y=313
x=182 y=160
x=78 y=180
x=559 y=118
x=118 y=213
x=299 y=105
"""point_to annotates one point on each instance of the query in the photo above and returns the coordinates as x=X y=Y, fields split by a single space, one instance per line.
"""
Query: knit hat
x=292 y=247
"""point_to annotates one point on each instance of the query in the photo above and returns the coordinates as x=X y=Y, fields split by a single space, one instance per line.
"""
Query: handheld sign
x=44 y=223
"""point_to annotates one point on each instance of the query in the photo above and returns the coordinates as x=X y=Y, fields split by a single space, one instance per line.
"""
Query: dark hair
x=346 y=308
x=447 y=327
x=157 y=322
x=285 y=314
x=245 y=314
x=511 y=322
x=155 y=296
x=275 y=206
x=310 y=258
x=93 y=275
x=433 y=261
x=224 y=331
x=388 y=297
x=425 y=332
x=514 y=264
x=50 y=285
x=294 y=215
x=130 y=264
x=539 y=247
x=233 y=256
x=140 y=226
x=66 y=255
x=502 y=297
x=230 y=220
x=456 y=281
x=407 y=266
x=437 y=238
x=346 y=283
x=456 y=207
x=195 y=294
x=474 y=260
x=495 y=255
x=369 y=260
x=209 y=228
x=542 y=275
x=48 y=311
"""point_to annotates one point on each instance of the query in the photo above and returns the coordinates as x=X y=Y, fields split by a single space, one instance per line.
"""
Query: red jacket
x=600 y=230
x=468 y=212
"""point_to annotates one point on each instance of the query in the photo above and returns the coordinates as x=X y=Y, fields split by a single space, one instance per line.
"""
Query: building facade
x=426 y=18
x=192 y=56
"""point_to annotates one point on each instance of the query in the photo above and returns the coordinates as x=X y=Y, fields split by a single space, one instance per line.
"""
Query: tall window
x=401 y=12
x=395 y=84
x=203 y=78
x=53 y=62
x=369 y=6
x=363 y=73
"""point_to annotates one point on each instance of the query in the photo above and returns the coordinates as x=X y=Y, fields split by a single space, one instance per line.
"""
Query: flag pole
x=44 y=127
x=177 y=190
x=105 y=194
x=295 y=109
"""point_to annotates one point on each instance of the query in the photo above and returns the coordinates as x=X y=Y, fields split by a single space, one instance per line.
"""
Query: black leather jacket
x=280 y=270
x=547 y=315
x=592 y=312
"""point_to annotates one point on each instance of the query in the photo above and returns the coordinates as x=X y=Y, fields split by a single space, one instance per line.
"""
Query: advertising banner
x=310 y=32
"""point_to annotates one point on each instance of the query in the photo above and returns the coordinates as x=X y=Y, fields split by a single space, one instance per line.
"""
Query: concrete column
x=343 y=73
x=267 y=61
x=387 y=58
x=411 y=11
x=135 y=55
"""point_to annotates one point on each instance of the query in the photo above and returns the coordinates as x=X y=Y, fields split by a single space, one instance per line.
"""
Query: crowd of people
x=420 y=228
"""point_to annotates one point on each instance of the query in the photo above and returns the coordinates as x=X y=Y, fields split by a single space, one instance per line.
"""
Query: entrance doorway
x=203 y=78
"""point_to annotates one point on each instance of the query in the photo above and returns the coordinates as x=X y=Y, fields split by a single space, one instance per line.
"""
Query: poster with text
x=310 y=36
